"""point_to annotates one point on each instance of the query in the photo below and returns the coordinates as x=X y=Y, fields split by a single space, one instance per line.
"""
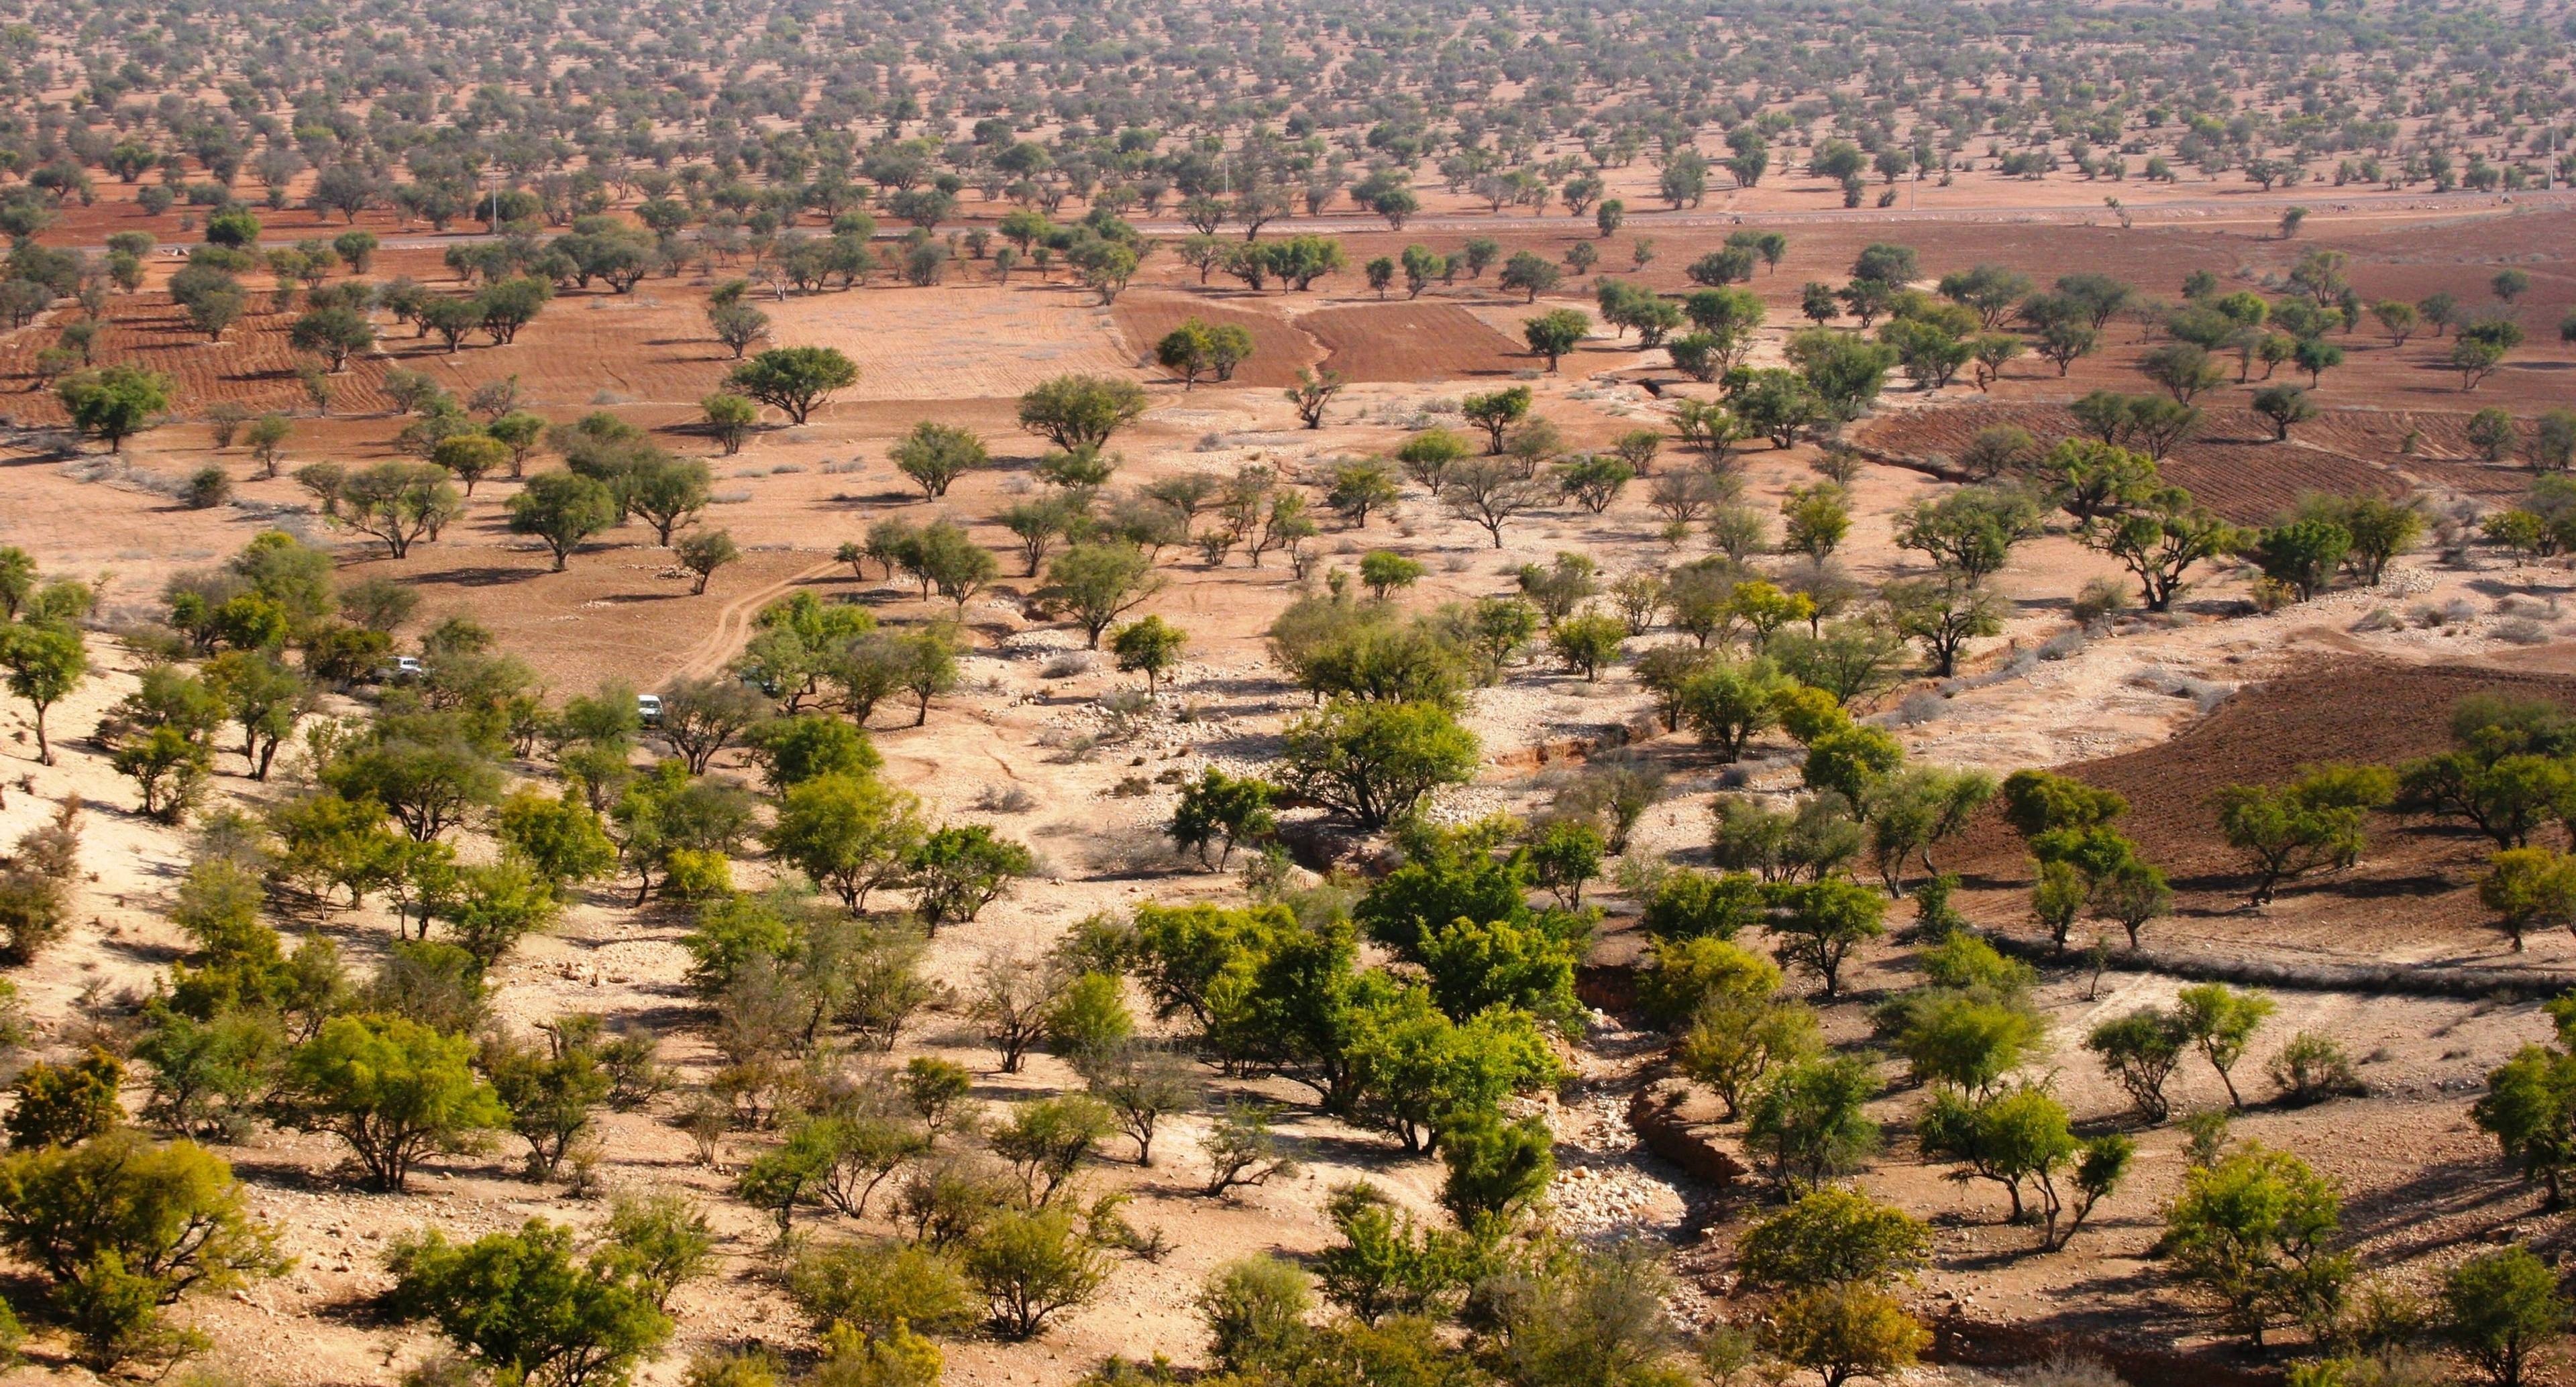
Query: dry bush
x=1005 y=799
x=2064 y=1369
x=36 y=881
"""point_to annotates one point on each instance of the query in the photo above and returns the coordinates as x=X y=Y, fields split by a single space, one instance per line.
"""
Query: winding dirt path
x=734 y=622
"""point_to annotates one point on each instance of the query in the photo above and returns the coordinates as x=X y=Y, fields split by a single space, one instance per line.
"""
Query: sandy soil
x=2422 y=1185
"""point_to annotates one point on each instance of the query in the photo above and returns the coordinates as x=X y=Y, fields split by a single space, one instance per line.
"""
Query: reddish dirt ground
x=252 y=366
x=1412 y=342
x=2231 y=467
x=1279 y=348
x=2411 y=898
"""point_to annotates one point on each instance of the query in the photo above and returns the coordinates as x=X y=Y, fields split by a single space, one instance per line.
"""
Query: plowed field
x=1278 y=347
x=2412 y=897
x=2231 y=466
x=252 y=365
x=1412 y=341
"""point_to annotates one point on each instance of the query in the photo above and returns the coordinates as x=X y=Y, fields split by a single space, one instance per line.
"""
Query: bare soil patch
x=1279 y=347
x=1412 y=341
x=2412 y=898
x=252 y=366
x=957 y=341
x=2232 y=466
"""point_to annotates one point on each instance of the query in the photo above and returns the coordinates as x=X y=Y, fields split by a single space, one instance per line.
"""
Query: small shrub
x=208 y=487
x=1254 y=1309
x=1241 y=1149
x=1005 y=799
x=2521 y=630
x=874 y=1286
x=2100 y=599
x=2063 y=1369
x=1066 y=664
x=1918 y=708
x=2313 y=1068
x=1031 y=1265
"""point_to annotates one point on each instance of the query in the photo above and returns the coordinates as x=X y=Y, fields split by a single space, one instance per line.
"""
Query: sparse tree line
x=743 y=131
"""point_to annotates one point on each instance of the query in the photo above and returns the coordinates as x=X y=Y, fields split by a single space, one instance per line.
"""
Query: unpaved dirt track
x=733 y=624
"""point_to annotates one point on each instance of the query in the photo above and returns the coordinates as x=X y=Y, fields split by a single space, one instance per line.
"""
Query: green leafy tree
x=527 y=1309
x=1387 y=1264
x=1376 y=761
x=2313 y=822
x=1967 y=1040
x=563 y=510
x=2500 y=1307
x=1079 y=413
x=45 y=661
x=1494 y=1169
x=1529 y=274
x=852 y=833
x=1833 y=1237
x=2253 y=1234
x=2160 y=540
x=2530 y=1108
x=114 y=403
x=1032 y=1265
x=552 y=1091
x=2139 y=1051
x=1555 y=333
x=2220 y=1022
x=120 y=1227
x=667 y=492
x=1843 y=1332
x=874 y=1286
x=399 y=503
x=333 y=334
x=2530 y=888
x=1222 y=811
x=956 y=872
x=66 y=1104
x=1255 y=1310
x=1734 y=1042
x=935 y=455
x=1098 y=583
x=393 y=1089
x=796 y=380
x=1047 y=1139
x=2303 y=555
x=1496 y=412
x=1809 y=1119
x=1412 y=1071
x=1149 y=645
x=702 y=552
x=2021 y=1136
x=1820 y=923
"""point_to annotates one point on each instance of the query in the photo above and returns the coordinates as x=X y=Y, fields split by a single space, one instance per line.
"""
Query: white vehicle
x=403 y=670
x=648 y=707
